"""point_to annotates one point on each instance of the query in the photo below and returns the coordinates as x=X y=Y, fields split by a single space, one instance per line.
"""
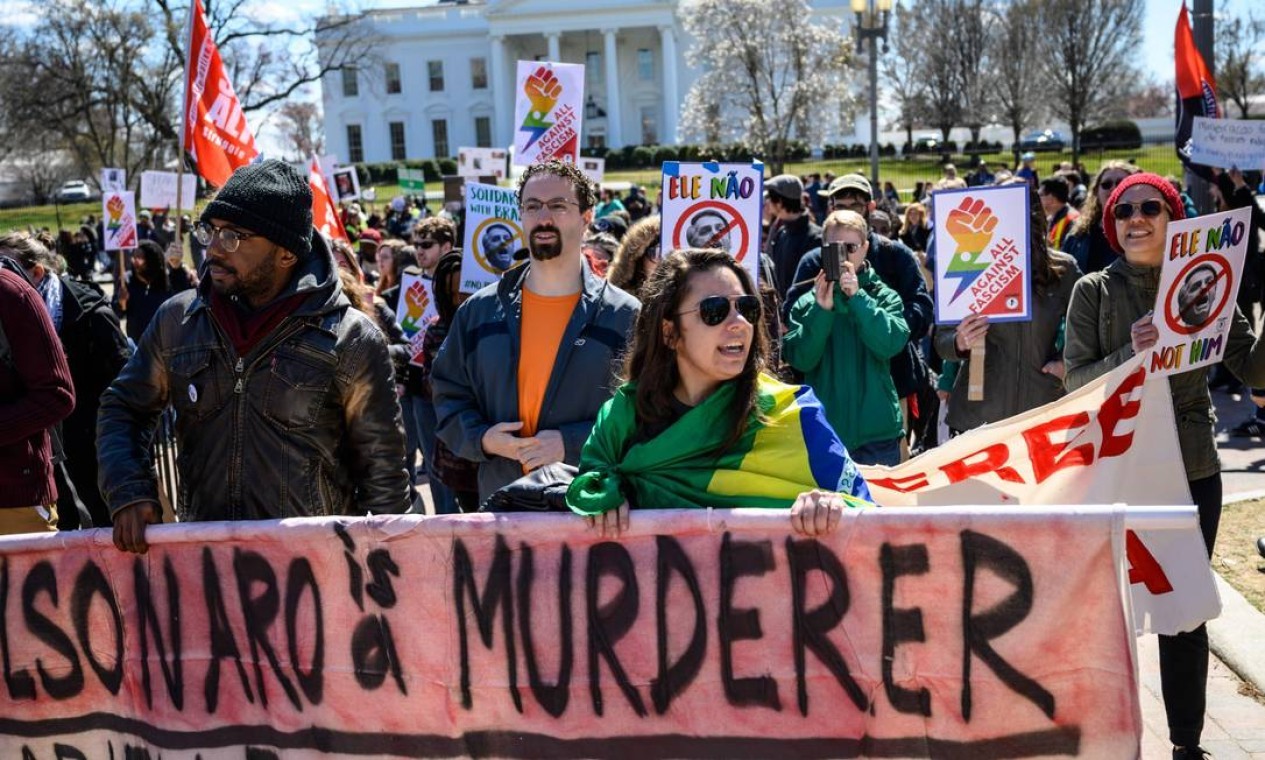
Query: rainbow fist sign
x=548 y=111
x=982 y=238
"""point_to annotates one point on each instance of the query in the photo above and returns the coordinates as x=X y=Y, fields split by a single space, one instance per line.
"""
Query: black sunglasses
x=1109 y=184
x=426 y=245
x=1150 y=209
x=715 y=309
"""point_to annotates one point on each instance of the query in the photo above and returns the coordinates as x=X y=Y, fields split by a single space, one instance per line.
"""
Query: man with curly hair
x=530 y=360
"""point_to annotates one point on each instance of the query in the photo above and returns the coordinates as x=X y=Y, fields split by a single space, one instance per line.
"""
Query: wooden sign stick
x=975 y=376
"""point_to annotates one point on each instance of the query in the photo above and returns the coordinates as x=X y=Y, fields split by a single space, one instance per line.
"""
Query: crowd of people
x=600 y=374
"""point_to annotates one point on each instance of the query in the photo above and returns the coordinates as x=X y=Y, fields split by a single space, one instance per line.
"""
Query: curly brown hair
x=627 y=272
x=436 y=228
x=585 y=191
x=653 y=363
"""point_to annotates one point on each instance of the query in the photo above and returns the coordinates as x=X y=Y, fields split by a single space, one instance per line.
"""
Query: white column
x=555 y=52
x=614 y=136
x=671 y=98
x=502 y=98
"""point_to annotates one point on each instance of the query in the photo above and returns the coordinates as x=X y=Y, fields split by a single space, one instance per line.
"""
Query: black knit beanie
x=271 y=198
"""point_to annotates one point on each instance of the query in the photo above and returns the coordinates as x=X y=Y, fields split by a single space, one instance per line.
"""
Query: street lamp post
x=871 y=24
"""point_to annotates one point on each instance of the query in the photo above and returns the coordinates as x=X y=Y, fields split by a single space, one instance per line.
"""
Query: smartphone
x=831 y=256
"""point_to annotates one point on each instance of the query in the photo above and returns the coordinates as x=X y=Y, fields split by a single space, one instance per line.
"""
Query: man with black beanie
x=284 y=395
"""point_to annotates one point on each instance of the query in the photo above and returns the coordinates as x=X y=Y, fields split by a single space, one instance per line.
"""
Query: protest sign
x=493 y=235
x=415 y=311
x=346 y=184
x=482 y=162
x=158 y=190
x=1227 y=143
x=411 y=180
x=215 y=132
x=712 y=205
x=548 y=110
x=983 y=254
x=593 y=168
x=1199 y=282
x=1114 y=441
x=113 y=179
x=119 y=215
x=905 y=633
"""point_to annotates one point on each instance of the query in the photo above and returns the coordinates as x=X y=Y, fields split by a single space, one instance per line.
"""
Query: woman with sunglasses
x=842 y=336
x=698 y=424
x=1086 y=242
x=1108 y=322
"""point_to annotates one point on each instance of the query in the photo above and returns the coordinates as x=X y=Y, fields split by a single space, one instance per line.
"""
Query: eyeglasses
x=557 y=207
x=1110 y=183
x=426 y=245
x=850 y=248
x=229 y=237
x=1150 y=209
x=715 y=309
x=847 y=200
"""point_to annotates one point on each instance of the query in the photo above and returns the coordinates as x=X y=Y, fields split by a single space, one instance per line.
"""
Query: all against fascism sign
x=699 y=633
x=982 y=254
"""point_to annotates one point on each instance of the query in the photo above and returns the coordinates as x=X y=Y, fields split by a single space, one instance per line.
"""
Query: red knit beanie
x=1176 y=209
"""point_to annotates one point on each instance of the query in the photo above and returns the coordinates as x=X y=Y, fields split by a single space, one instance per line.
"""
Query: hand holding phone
x=831 y=256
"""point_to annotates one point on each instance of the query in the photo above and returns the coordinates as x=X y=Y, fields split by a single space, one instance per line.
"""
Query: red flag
x=215 y=130
x=1196 y=90
x=325 y=216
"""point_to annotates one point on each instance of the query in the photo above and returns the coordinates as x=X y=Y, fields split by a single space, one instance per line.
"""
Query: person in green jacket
x=842 y=335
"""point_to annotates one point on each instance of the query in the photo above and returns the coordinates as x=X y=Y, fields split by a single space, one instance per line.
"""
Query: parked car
x=74 y=191
x=926 y=144
x=1046 y=139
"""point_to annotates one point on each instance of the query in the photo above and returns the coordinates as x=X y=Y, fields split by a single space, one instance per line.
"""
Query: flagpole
x=184 y=112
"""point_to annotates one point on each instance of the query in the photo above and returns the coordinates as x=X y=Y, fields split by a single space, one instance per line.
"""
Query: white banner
x=118 y=210
x=415 y=311
x=482 y=162
x=1113 y=441
x=1203 y=269
x=712 y=205
x=548 y=109
x=493 y=234
x=983 y=237
x=593 y=168
x=158 y=190
x=1228 y=143
x=113 y=180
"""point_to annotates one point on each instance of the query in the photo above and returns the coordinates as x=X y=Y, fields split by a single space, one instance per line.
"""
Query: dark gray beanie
x=271 y=198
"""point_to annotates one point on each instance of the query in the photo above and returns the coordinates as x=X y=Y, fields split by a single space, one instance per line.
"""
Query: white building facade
x=444 y=74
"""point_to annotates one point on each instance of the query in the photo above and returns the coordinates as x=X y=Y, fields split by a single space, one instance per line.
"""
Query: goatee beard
x=545 y=251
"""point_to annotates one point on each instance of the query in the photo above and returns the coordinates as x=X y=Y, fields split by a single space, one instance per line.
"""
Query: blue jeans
x=877 y=452
x=425 y=422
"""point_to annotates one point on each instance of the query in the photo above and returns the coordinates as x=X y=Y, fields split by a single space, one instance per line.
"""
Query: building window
x=436 y=71
x=398 y=150
x=479 y=73
x=649 y=125
x=483 y=131
x=439 y=135
x=393 y=78
x=592 y=69
x=350 y=88
x=597 y=142
x=355 y=146
x=645 y=65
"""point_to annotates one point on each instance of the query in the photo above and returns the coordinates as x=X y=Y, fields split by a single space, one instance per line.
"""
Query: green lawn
x=903 y=172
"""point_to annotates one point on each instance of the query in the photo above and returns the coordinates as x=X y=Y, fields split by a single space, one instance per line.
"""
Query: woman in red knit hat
x=1108 y=322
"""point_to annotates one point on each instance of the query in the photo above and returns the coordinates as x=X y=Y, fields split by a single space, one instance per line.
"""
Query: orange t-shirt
x=545 y=320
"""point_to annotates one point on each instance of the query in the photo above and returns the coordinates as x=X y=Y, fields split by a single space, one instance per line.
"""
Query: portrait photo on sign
x=709 y=229
x=1199 y=292
x=346 y=184
x=497 y=245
